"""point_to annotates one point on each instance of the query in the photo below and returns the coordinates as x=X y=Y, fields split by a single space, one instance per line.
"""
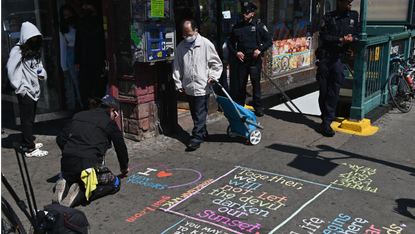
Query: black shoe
x=116 y=189
x=326 y=130
x=193 y=145
x=259 y=113
x=61 y=190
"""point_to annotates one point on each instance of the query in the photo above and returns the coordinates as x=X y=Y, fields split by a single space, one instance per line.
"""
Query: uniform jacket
x=23 y=75
x=337 y=24
x=194 y=67
x=244 y=37
x=86 y=139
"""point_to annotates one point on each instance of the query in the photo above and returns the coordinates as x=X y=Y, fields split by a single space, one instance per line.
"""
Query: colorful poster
x=157 y=8
x=291 y=49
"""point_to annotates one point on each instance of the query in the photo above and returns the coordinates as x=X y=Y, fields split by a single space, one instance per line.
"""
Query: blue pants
x=199 y=106
x=73 y=75
x=330 y=76
x=243 y=72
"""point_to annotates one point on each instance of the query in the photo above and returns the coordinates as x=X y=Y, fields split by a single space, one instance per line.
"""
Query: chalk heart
x=164 y=174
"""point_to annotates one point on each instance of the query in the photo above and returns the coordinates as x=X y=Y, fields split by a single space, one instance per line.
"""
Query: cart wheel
x=255 y=137
x=230 y=133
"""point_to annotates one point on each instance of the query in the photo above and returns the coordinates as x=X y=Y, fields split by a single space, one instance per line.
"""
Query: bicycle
x=9 y=220
x=400 y=84
x=10 y=223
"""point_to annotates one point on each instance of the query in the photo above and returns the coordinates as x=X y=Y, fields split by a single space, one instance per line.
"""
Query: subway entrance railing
x=372 y=68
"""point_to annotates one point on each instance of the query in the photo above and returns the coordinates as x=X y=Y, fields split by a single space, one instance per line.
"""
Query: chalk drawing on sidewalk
x=155 y=178
x=146 y=210
x=357 y=178
x=240 y=201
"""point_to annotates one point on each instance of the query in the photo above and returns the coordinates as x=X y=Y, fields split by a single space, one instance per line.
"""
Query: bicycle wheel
x=10 y=223
x=400 y=92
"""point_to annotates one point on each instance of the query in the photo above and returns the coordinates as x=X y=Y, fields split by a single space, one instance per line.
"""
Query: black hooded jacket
x=85 y=140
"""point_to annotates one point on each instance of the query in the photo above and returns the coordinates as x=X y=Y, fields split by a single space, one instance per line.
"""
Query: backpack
x=64 y=220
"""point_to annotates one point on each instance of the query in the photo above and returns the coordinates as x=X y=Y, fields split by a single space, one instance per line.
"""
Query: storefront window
x=208 y=20
x=292 y=36
x=38 y=12
x=208 y=16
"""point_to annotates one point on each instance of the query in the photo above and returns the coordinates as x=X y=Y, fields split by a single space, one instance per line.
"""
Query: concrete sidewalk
x=294 y=181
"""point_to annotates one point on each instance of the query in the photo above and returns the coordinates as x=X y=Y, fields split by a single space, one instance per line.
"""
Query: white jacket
x=194 y=67
x=23 y=75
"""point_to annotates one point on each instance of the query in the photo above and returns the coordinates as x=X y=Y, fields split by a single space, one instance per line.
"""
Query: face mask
x=32 y=43
x=190 y=39
x=88 y=11
x=70 y=19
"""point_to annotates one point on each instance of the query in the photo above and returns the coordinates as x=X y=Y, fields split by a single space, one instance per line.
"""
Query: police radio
x=152 y=31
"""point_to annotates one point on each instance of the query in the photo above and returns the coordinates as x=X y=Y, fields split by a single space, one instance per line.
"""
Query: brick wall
x=137 y=97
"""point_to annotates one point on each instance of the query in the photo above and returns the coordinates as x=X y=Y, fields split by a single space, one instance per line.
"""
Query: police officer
x=338 y=29
x=247 y=41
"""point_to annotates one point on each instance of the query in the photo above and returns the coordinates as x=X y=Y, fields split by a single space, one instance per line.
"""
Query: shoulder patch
x=265 y=28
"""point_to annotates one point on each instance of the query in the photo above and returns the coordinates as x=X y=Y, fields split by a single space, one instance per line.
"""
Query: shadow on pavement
x=178 y=133
x=310 y=160
x=53 y=179
x=307 y=160
x=221 y=138
x=353 y=155
x=292 y=118
x=402 y=208
x=7 y=142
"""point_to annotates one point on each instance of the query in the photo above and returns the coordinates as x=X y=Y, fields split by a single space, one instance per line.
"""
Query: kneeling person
x=84 y=142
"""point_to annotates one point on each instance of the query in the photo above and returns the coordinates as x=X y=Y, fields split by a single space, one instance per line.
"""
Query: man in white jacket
x=196 y=64
x=25 y=71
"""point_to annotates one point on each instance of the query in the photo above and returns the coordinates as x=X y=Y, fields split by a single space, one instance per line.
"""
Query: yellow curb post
x=361 y=128
x=249 y=107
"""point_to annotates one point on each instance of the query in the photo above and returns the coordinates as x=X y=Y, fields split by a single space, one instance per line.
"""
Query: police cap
x=248 y=7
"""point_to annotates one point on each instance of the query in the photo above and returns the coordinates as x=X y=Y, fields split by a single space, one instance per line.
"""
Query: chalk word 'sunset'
x=210 y=214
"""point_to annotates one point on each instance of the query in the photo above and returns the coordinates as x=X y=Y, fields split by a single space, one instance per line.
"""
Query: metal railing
x=372 y=69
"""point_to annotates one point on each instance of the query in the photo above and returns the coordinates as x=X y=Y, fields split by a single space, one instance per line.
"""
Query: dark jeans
x=243 y=72
x=27 y=108
x=199 y=106
x=91 y=84
x=106 y=182
x=330 y=76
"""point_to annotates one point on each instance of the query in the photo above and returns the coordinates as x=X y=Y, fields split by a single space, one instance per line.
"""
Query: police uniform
x=246 y=38
x=330 y=71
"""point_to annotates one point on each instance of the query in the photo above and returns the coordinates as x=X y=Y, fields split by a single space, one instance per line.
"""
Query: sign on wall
x=291 y=49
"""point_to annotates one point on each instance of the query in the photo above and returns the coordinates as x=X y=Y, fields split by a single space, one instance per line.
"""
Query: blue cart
x=242 y=122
